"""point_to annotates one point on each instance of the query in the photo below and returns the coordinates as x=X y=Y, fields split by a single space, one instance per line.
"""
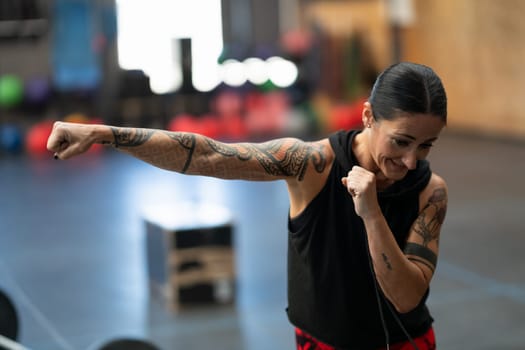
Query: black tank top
x=330 y=286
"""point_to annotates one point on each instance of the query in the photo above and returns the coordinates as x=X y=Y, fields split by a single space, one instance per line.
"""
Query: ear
x=367 y=115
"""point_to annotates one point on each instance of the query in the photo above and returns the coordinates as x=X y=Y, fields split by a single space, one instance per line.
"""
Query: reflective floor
x=72 y=253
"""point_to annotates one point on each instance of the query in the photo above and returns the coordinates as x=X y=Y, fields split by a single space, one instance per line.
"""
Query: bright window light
x=282 y=73
x=147 y=40
x=256 y=70
x=233 y=73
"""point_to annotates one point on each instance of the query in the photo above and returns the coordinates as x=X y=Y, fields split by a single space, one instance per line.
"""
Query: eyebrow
x=413 y=138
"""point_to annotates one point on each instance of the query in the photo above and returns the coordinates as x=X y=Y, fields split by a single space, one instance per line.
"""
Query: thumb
x=68 y=151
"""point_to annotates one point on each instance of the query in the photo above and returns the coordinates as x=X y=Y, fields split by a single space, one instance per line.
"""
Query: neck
x=362 y=153
x=361 y=149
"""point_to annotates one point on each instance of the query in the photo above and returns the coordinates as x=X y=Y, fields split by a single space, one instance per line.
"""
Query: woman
x=365 y=209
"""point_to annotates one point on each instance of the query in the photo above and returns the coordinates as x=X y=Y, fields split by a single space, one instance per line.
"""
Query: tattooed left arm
x=404 y=275
x=190 y=153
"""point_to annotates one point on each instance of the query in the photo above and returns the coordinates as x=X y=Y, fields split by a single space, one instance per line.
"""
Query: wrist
x=103 y=134
x=372 y=215
x=375 y=223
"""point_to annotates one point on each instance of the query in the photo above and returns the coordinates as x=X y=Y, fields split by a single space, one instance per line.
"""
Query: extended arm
x=189 y=153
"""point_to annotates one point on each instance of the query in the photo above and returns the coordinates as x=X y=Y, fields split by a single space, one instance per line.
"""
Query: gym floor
x=72 y=254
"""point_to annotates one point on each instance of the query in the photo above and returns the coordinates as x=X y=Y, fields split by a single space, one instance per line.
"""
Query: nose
x=410 y=160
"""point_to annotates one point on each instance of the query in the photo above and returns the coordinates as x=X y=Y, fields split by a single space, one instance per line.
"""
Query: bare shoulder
x=310 y=158
x=321 y=158
x=324 y=147
x=303 y=190
x=436 y=192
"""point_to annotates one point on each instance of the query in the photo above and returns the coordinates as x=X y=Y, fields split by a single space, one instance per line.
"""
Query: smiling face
x=394 y=146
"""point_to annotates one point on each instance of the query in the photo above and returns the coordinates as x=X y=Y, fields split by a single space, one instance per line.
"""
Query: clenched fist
x=70 y=139
x=361 y=184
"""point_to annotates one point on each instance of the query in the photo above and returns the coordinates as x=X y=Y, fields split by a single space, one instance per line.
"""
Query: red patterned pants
x=305 y=341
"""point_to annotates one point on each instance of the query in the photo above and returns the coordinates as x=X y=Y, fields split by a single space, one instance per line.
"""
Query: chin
x=394 y=172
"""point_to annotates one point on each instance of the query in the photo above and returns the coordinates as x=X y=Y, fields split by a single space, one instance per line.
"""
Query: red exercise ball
x=233 y=127
x=207 y=125
x=228 y=103
x=210 y=126
x=36 y=138
x=346 y=116
x=183 y=122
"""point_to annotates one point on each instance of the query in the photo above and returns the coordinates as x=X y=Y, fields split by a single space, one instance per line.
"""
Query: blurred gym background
x=73 y=240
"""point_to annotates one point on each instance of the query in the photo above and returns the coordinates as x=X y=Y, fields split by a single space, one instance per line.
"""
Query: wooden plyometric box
x=190 y=254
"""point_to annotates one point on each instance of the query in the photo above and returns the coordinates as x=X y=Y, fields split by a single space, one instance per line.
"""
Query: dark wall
x=252 y=23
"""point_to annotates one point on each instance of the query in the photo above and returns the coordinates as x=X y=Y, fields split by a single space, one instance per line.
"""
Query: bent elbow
x=407 y=304
x=404 y=308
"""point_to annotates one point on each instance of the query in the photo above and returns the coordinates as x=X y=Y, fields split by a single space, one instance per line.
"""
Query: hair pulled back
x=408 y=87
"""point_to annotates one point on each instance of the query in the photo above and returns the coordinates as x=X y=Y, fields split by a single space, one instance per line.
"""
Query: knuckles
x=362 y=175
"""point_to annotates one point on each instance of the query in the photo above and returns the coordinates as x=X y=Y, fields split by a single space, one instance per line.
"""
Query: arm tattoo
x=132 y=137
x=387 y=262
x=187 y=141
x=294 y=162
x=283 y=157
x=421 y=254
x=125 y=137
x=428 y=228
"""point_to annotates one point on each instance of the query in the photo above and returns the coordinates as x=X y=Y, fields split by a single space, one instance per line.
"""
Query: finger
x=353 y=192
x=59 y=154
x=68 y=151
x=56 y=139
x=58 y=149
x=352 y=187
x=53 y=143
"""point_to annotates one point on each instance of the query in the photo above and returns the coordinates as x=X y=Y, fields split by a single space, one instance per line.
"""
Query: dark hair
x=408 y=87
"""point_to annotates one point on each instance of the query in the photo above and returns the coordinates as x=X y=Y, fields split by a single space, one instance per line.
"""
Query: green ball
x=11 y=91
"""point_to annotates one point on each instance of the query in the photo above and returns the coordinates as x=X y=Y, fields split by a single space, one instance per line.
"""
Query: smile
x=399 y=167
